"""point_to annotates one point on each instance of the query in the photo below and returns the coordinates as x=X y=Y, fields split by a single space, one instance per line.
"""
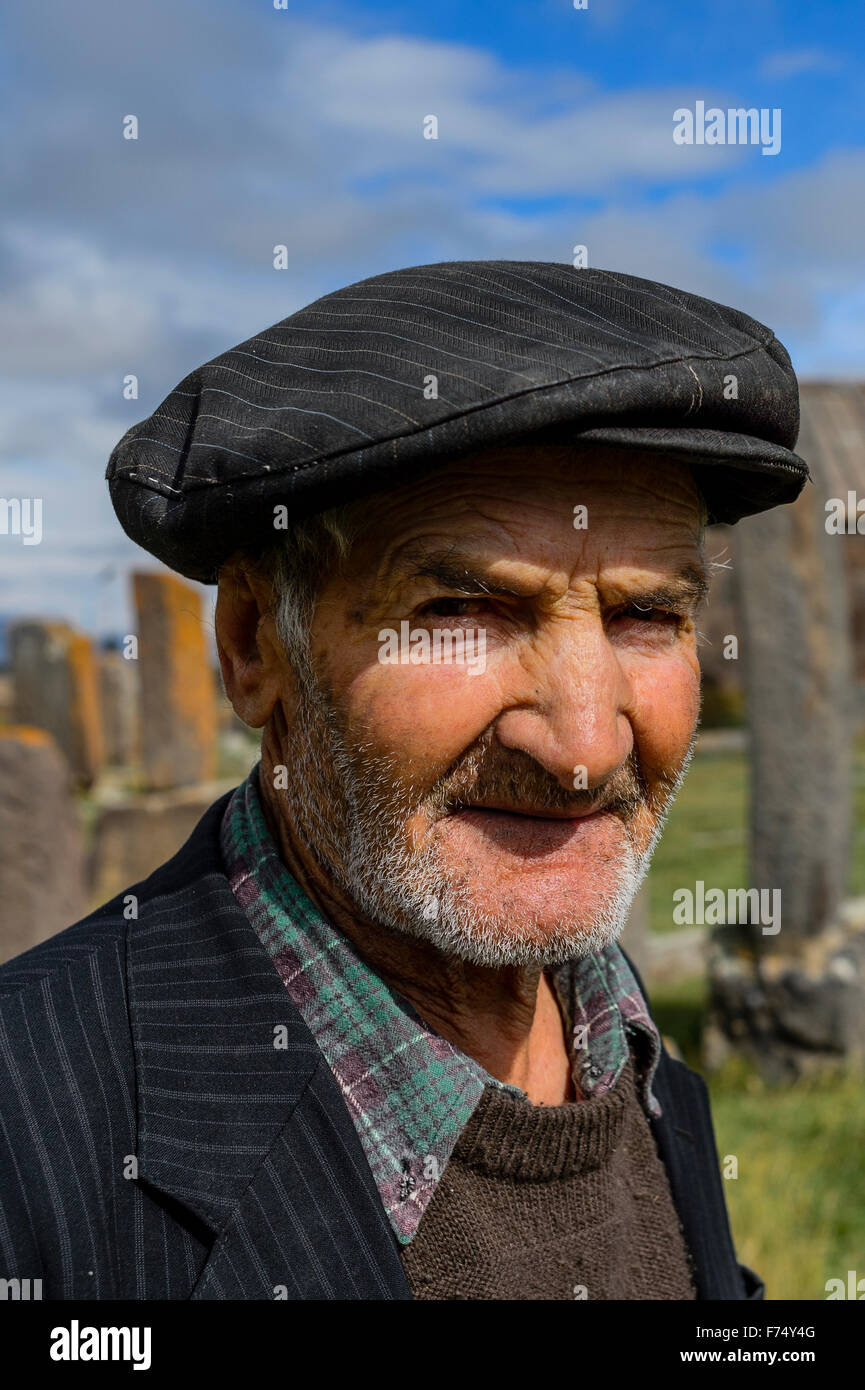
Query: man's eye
x=452 y=607
x=649 y=615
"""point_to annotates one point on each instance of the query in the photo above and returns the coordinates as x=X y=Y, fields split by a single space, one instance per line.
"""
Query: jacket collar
x=240 y=1121
x=222 y=1056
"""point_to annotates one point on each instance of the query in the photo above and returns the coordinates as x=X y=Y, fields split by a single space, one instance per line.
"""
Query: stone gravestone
x=178 y=699
x=118 y=679
x=793 y=998
x=133 y=835
x=56 y=688
x=41 y=852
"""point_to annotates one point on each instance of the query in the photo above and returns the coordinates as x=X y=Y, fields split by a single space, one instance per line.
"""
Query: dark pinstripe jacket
x=170 y=1129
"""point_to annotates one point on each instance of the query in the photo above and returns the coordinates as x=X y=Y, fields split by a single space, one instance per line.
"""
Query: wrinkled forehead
x=536 y=501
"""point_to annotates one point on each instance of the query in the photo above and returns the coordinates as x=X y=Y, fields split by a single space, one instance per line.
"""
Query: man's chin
x=478 y=939
x=525 y=926
x=496 y=892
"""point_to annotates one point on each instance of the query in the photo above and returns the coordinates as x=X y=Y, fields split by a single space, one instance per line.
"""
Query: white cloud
x=793 y=62
x=365 y=100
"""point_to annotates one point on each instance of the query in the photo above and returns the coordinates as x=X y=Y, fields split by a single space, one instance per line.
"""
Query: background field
x=797 y=1207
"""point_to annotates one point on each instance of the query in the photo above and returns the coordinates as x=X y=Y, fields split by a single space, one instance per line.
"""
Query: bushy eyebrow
x=452 y=571
x=686 y=588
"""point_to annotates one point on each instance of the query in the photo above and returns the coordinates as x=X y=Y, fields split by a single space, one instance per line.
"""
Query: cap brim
x=740 y=474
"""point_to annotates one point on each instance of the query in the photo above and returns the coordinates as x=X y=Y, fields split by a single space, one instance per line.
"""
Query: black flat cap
x=380 y=382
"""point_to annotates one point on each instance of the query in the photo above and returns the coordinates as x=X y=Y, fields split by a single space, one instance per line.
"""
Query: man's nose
x=568 y=706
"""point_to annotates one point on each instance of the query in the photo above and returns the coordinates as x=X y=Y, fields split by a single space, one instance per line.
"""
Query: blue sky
x=303 y=126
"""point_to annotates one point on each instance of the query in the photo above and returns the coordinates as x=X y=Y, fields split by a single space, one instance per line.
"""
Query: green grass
x=797 y=1206
x=706 y=835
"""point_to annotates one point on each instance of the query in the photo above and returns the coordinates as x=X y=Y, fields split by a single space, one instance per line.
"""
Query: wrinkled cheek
x=423 y=716
x=666 y=714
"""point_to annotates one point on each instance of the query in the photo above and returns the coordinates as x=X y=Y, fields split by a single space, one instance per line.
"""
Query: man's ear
x=253 y=664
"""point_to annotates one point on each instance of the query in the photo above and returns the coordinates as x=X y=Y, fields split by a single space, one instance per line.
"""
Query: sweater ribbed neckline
x=509 y=1137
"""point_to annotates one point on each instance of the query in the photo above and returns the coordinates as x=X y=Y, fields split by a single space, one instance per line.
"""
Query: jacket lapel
x=311 y=1224
x=240 y=1121
x=686 y=1144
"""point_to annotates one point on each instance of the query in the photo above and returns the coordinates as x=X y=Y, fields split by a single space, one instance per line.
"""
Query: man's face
x=504 y=806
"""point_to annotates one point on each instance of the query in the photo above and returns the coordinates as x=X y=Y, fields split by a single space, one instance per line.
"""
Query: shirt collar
x=409 y=1091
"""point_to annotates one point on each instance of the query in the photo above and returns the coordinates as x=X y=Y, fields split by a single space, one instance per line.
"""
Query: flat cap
x=376 y=384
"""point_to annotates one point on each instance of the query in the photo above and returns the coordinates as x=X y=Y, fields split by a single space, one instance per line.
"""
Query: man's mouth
x=528 y=831
x=528 y=812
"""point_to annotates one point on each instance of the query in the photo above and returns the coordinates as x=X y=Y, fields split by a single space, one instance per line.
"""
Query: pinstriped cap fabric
x=376 y=384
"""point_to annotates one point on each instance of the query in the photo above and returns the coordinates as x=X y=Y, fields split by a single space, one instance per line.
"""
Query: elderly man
x=370 y=1033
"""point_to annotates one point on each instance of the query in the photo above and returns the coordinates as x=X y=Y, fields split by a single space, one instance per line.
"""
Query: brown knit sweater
x=541 y=1202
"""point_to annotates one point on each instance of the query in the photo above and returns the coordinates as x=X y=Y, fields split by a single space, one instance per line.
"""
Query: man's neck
x=507 y=1019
